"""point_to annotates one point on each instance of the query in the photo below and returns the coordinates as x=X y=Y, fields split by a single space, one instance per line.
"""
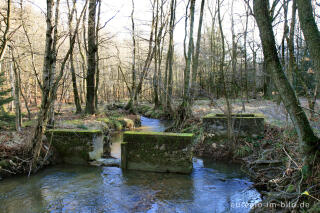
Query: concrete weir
x=157 y=152
x=76 y=146
x=244 y=125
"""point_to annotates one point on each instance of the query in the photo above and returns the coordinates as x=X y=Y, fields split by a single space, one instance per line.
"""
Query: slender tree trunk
x=97 y=57
x=169 y=63
x=234 y=55
x=146 y=65
x=72 y=68
x=3 y=45
x=310 y=31
x=156 y=57
x=54 y=53
x=17 y=104
x=184 y=111
x=308 y=141
x=226 y=93
x=312 y=36
x=133 y=66
x=245 y=57
x=195 y=59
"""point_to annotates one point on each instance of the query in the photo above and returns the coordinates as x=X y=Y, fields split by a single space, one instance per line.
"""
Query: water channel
x=212 y=187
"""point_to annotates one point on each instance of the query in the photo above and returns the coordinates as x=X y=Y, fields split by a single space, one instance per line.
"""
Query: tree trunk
x=169 y=63
x=4 y=39
x=72 y=68
x=156 y=57
x=48 y=90
x=308 y=141
x=92 y=49
x=226 y=93
x=97 y=58
x=310 y=32
x=17 y=104
x=195 y=59
x=184 y=111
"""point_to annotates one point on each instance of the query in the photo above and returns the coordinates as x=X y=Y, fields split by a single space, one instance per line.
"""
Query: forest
x=71 y=67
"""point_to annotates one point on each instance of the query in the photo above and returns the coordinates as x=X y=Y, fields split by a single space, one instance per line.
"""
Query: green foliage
x=7 y=121
x=4 y=92
x=305 y=171
x=243 y=151
x=291 y=188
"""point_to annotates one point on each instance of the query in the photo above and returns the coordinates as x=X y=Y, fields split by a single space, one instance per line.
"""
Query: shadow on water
x=212 y=187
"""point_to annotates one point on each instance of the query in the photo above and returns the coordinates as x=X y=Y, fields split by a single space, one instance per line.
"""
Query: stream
x=212 y=187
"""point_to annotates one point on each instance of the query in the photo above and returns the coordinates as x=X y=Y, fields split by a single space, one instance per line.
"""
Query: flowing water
x=212 y=187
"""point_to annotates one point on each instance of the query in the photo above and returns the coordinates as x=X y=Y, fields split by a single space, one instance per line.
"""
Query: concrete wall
x=243 y=124
x=77 y=146
x=157 y=152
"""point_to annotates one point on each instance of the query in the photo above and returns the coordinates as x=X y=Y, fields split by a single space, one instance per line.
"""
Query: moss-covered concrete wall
x=76 y=146
x=157 y=152
x=243 y=124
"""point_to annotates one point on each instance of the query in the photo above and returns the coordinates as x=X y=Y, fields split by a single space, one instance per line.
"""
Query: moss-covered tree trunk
x=308 y=141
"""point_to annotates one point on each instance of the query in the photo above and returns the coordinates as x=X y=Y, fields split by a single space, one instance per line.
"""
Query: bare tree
x=92 y=49
x=184 y=111
x=169 y=61
x=72 y=68
x=310 y=144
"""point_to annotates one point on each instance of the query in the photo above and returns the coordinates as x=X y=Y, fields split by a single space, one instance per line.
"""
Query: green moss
x=158 y=151
x=117 y=125
x=243 y=151
x=74 y=145
x=28 y=123
x=159 y=133
x=255 y=115
x=74 y=122
x=291 y=188
x=104 y=120
x=71 y=131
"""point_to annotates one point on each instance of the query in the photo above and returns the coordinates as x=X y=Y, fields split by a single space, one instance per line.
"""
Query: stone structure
x=76 y=146
x=157 y=152
x=244 y=125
